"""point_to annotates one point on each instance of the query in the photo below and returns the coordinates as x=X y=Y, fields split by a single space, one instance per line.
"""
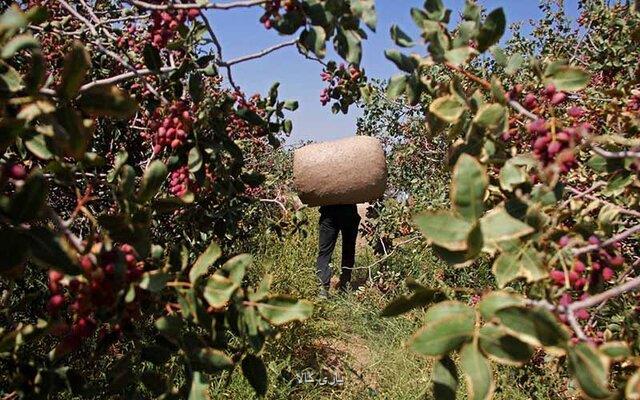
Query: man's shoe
x=344 y=286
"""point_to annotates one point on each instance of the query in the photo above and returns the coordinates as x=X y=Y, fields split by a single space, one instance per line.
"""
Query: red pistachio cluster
x=549 y=94
x=165 y=24
x=95 y=296
x=171 y=130
x=552 y=143
x=272 y=11
x=601 y=267
x=239 y=128
x=343 y=83
x=179 y=181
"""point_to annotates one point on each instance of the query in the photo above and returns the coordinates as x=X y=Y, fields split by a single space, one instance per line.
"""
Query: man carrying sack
x=336 y=176
x=334 y=219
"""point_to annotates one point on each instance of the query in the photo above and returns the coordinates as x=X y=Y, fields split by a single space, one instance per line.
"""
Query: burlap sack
x=345 y=171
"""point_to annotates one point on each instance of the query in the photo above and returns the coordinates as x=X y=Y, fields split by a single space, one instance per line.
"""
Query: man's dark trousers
x=333 y=220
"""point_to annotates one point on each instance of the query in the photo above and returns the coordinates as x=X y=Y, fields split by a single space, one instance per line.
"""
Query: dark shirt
x=340 y=211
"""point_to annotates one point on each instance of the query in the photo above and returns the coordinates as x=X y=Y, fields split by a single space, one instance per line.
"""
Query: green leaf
x=506 y=268
x=467 y=30
x=468 y=186
x=495 y=301
x=447 y=326
x=445 y=379
x=151 y=57
x=419 y=17
x=499 y=226
x=366 y=11
x=348 y=45
x=236 y=267
x=154 y=281
x=170 y=327
x=120 y=160
x=37 y=144
x=154 y=177
x=195 y=159
x=591 y=370
x=199 y=389
x=447 y=309
x=196 y=87
x=400 y=38
x=442 y=336
x=568 y=78
x=532 y=264
x=212 y=360
x=51 y=251
x=254 y=370
x=402 y=304
x=471 y=11
x=445 y=229
x=29 y=200
x=511 y=176
x=290 y=105
x=616 y=351
x=492 y=29
x=503 y=348
x=632 y=389
x=491 y=117
x=435 y=10
x=17 y=44
x=262 y=291
x=76 y=65
x=12 y=18
x=397 y=86
x=204 y=261
x=478 y=374
x=460 y=55
x=219 y=290
x=14 y=247
x=535 y=326
x=526 y=263
x=402 y=61
x=514 y=64
x=280 y=310
x=108 y=101
x=314 y=39
x=447 y=108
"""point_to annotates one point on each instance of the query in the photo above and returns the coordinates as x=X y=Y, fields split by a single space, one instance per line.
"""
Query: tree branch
x=620 y=236
x=616 y=154
x=259 y=54
x=212 y=5
x=115 y=79
x=586 y=195
x=487 y=86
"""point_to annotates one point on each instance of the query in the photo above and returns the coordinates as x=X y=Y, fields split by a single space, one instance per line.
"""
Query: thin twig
x=586 y=195
x=616 y=154
x=579 y=194
x=115 y=79
x=487 y=86
x=76 y=14
x=274 y=201
x=259 y=54
x=614 y=239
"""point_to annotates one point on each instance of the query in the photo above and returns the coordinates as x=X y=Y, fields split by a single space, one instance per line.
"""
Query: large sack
x=345 y=171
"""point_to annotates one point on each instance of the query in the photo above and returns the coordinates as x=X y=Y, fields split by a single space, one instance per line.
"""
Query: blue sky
x=240 y=33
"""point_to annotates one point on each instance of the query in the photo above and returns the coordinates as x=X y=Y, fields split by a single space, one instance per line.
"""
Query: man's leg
x=327 y=242
x=349 y=236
